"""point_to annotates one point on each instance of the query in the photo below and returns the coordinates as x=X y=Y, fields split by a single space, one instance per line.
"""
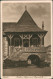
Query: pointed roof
x=26 y=19
x=25 y=24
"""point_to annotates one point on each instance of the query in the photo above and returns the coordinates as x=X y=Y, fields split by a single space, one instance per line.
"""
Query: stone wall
x=5 y=47
x=25 y=56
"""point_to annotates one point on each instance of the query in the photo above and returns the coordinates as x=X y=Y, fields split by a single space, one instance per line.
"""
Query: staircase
x=16 y=54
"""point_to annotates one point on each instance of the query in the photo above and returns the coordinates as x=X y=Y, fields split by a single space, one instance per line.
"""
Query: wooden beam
x=10 y=37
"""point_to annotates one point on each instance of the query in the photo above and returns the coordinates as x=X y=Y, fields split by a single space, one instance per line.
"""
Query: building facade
x=24 y=40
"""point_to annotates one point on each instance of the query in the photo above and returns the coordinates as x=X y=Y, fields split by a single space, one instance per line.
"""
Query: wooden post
x=29 y=42
x=21 y=38
x=10 y=37
x=43 y=41
x=29 y=39
x=40 y=41
x=41 y=37
x=22 y=41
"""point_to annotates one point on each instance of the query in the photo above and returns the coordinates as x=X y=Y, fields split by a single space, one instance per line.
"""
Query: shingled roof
x=25 y=24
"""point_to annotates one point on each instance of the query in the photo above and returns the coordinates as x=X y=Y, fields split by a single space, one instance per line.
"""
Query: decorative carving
x=30 y=35
x=10 y=49
x=41 y=37
x=21 y=35
x=25 y=36
x=10 y=36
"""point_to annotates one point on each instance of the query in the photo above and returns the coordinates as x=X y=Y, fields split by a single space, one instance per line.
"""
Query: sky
x=11 y=12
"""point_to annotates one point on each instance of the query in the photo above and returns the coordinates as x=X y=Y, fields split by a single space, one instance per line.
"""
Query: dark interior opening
x=26 y=43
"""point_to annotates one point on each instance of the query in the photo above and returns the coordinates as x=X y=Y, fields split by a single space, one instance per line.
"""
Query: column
x=29 y=39
x=10 y=37
x=22 y=42
x=29 y=42
x=41 y=39
x=21 y=38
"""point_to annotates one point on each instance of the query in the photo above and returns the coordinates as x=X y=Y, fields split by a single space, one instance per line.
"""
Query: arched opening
x=33 y=59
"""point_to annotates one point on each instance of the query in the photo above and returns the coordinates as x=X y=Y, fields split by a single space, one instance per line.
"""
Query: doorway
x=34 y=59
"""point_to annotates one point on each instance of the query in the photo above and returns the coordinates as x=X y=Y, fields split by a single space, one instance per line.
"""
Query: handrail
x=17 y=53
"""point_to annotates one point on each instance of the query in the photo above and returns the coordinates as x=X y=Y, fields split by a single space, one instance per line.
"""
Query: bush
x=44 y=64
x=9 y=63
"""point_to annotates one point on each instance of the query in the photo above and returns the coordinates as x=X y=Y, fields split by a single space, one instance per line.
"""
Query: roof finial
x=25 y=7
x=43 y=25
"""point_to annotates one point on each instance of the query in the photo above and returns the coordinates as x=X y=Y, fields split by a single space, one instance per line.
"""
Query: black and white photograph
x=26 y=38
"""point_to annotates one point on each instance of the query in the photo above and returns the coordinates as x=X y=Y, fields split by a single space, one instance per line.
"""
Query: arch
x=34 y=59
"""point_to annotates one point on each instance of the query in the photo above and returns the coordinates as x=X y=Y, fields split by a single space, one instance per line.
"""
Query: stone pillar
x=10 y=37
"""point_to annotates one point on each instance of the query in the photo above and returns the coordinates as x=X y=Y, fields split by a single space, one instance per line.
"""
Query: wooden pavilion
x=24 y=35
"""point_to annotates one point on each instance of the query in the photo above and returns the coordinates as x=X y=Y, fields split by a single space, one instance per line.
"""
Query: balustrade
x=29 y=49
